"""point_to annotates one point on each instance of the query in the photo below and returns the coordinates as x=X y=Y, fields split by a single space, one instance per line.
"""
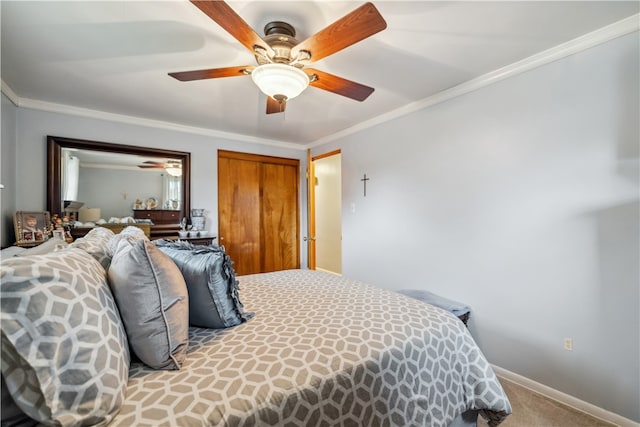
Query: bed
x=322 y=350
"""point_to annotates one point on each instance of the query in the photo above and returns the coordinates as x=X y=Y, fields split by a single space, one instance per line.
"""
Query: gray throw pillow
x=153 y=302
x=130 y=233
x=214 y=301
x=65 y=357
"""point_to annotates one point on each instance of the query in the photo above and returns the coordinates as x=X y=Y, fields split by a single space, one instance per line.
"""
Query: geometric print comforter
x=322 y=350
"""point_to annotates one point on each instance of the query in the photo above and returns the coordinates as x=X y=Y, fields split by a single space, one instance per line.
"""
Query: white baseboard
x=565 y=399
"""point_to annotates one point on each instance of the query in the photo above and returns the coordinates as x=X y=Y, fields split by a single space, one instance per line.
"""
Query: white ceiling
x=105 y=159
x=114 y=57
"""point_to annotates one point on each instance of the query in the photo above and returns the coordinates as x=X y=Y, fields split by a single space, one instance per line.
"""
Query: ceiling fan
x=173 y=168
x=281 y=72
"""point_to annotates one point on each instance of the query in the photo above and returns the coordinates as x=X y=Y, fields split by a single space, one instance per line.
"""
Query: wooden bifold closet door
x=258 y=211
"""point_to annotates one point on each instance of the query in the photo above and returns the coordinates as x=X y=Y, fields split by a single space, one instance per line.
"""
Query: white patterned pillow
x=96 y=244
x=65 y=356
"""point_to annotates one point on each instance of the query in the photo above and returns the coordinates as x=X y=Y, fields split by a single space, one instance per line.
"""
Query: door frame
x=311 y=213
x=311 y=205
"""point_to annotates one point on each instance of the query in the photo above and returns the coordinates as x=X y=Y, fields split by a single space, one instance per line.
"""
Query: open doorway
x=326 y=208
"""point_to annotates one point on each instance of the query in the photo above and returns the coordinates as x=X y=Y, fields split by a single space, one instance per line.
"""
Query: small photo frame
x=59 y=234
x=32 y=228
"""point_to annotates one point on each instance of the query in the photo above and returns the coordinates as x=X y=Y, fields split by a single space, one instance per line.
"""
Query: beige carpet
x=531 y=409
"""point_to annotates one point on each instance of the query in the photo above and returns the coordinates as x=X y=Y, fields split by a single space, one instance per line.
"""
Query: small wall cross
x=364 y=180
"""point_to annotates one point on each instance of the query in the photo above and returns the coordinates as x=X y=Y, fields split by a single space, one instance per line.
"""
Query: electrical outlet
x=568 y=344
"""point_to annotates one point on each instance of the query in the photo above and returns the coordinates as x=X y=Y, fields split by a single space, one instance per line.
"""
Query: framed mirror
x=116 y=179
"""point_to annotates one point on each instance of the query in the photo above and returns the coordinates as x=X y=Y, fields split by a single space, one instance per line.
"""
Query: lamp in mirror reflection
x=174 y=169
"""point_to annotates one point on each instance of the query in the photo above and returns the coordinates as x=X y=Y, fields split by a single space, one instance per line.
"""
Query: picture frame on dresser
x=31 y=227
x=58 y=234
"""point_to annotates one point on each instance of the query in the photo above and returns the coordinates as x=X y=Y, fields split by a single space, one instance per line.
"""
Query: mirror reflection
x=99 y=181
x=117 y=183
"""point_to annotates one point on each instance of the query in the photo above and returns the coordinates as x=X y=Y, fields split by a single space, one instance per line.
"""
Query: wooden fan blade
x=159 y=166
x=212 y=73
x=230 y=21
x=339 y=85
x=152 y=162
x=275 y=106
x=363 y=22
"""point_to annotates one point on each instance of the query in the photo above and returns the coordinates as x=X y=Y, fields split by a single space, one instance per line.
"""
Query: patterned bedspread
x=321 y=350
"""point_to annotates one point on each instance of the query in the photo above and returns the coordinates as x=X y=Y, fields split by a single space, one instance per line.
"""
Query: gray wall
x=8 y=171
x=113 y=192
x=520 y=199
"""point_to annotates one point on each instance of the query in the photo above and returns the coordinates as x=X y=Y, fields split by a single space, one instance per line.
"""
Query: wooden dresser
x=204 y=241
x=117 y=228
x=78 y=232
x=165 y=222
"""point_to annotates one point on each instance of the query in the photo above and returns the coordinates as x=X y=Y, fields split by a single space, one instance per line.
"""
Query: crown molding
x=10 y=94
x=51 y=107
x=579 y=44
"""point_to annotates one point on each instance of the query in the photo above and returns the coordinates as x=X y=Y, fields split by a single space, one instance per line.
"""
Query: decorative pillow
x=51 y=245
x=10 y=413
x=130 y=233
x=211 y=281
x=153 y=302
x=65 y=357
x=96 y=244
x=96 y=232
x=11 y=251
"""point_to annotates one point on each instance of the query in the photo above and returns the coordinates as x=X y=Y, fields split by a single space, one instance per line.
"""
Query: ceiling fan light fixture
x=174 y=170
x=280 y=80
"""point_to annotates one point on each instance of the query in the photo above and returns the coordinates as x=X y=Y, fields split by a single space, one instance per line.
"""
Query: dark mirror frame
x=55 y=144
